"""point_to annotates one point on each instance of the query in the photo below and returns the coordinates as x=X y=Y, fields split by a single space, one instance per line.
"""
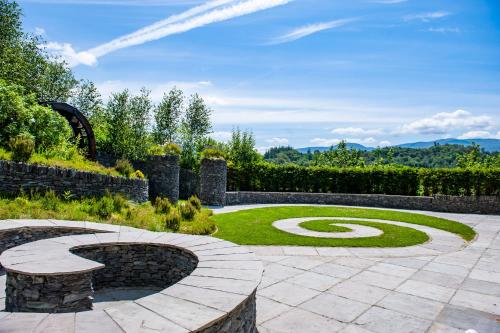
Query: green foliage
x=166 y=149
x=202 y=224
x=187 y=210
x=269 y=177
x=25 y=62
x=241 y=148
x=167 y=117
x=103 y=207
x=162 y=205
x=195 y=202
x=23 y=147
x=211 y=153
x=195 y=126
x=124 y=168
x=21 y=114
x=339 y=157
x=173 y=220
x=50 y=201
x=138 y=174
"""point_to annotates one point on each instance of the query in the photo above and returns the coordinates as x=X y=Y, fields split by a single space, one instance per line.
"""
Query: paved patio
x=454 y=288
x=445 y=285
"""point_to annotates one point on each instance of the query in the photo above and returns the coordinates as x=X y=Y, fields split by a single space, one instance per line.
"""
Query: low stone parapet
x=451 y=204
x=207 y=284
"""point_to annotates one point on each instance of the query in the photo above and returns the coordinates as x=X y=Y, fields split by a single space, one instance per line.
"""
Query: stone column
x=213 y=182
x=163 y=176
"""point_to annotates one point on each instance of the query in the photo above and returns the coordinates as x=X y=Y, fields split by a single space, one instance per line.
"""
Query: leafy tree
x=241 y=148
x=140 y=110
x=167 y=116
x=24 y=61
x=340 y=157
x=195 y=126
x=21 y=114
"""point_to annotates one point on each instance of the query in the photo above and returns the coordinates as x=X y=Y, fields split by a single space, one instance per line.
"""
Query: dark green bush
x=124 y=168
x=173 y=220
x=103 y=207
x=195 y=202
x=50 y=201
x=23 y=147
x=188 y=211
x=392 y=180
x=162 y=205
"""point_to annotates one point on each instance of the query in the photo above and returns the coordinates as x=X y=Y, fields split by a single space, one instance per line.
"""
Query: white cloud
x=357 y=131
x=199 y=16
x=221 y=136
x=480 y=135
x=39 y=31
x=444 y=30
x=446 y=122
x=426 y=17
x=309 y=30
x=278 y=141
x=118 y=2
x=68 y=53
x=107 y=88
x=384 y=143
x=325 y=142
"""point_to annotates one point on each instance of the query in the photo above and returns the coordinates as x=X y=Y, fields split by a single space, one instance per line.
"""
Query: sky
x=295 y=72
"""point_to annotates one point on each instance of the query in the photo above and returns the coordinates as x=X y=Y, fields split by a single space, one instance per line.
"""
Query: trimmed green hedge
x=268 y=177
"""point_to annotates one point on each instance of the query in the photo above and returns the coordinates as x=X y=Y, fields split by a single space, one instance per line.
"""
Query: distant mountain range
x=489 y=145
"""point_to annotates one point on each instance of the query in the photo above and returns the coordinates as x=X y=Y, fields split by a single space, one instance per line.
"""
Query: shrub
x=172 y=149
x=23 y=147
x=124 y=168
x=156 y=150
x=211 y=153
x=139 y=174
x=201 y=225
x=195 y=202
x=50 y=201
x=119 y=202
x=173 y=220
x=187 y=211
x=103 y=207
x=267 y=177
x=162 y=205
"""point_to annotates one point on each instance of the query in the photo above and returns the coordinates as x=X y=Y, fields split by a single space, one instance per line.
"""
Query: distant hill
x=356 y=146
x=489 y=145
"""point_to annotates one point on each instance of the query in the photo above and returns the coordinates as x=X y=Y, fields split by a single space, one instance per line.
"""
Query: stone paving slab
x=444 y=288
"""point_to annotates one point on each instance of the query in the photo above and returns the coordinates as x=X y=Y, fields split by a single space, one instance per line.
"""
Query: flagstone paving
x=444 y=286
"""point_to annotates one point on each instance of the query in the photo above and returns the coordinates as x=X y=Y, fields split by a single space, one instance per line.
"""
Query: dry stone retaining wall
x=28 y=177
x=452 y=204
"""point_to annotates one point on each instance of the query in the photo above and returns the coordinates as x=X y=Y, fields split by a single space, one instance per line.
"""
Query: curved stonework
x=213 y=182
x=209 y=284
x=358 y=231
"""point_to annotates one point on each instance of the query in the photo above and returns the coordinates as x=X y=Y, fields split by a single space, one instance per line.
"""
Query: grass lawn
x=254 y=227
x=326 y=225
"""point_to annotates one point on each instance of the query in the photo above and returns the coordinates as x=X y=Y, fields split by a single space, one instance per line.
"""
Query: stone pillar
x=213 y=182
x=163 y=176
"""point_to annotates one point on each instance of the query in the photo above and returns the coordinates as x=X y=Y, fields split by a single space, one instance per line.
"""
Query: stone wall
x=452 y=204
x=213 y=182
x=189 y=183
x=138 y=265
x=28 y=177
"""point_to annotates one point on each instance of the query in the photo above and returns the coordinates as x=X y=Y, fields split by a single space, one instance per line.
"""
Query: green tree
x=241 y=148
x=167 y=117
x=195 y=127
x=21 y=114
x=24 y=61
x=340 y=157
x=140 y=110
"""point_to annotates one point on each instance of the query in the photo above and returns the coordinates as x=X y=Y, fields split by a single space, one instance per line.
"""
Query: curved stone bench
x=207 y=284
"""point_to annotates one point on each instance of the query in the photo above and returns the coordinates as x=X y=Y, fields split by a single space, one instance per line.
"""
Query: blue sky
x=297 y=72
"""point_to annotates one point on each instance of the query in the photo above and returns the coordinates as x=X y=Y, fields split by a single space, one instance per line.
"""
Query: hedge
x=268 y=177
